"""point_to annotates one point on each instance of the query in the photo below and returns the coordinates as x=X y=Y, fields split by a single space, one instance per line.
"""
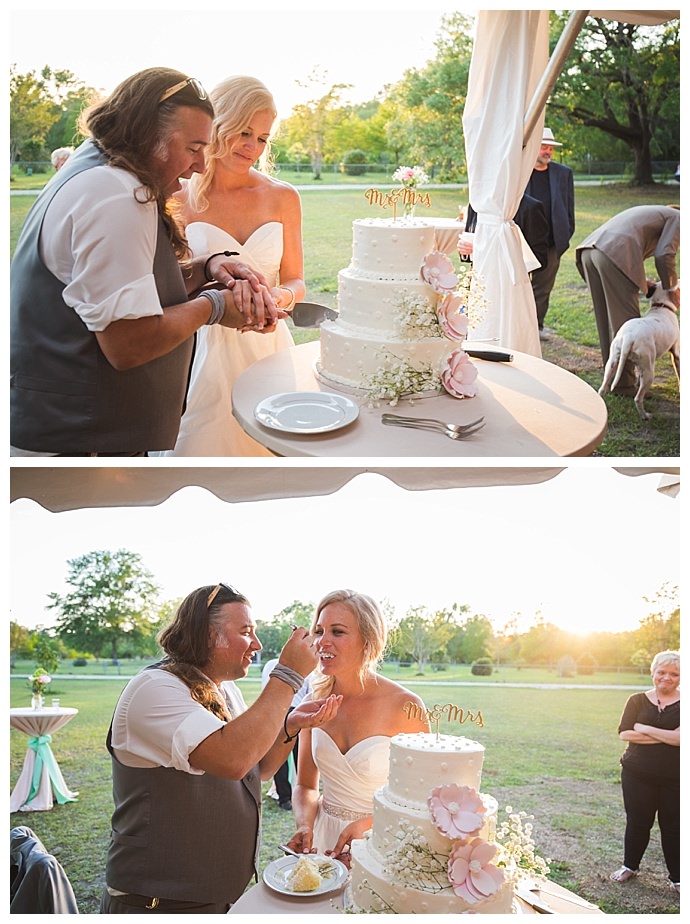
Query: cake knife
x=307 y=314
x=529 y=898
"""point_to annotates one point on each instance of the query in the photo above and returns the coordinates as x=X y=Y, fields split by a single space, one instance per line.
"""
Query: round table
x=260 y=899
x=531 y=408
x=41 y=780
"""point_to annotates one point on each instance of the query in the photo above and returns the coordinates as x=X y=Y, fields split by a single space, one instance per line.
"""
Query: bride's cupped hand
x=314 y=713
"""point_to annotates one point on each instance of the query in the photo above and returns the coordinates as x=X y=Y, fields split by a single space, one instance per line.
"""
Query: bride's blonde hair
x=371 y=625
x=235 y=100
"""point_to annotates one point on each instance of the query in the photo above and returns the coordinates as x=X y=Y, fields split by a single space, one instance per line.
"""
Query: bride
x=233 y=206
x=347 y=757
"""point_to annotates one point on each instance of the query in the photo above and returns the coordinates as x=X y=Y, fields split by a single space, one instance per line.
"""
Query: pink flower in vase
x=459 y=375
x=437 y=271
x=470 y=871
x=452 y=318
x=457 y=811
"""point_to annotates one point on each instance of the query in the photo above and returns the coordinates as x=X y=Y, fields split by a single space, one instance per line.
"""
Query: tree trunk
x=643 y=175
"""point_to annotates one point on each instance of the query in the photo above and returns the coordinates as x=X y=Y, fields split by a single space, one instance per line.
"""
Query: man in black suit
x=530 y=219
x=553 y=185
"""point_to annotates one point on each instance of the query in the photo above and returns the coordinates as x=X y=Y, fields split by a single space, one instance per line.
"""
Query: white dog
x=641 y=341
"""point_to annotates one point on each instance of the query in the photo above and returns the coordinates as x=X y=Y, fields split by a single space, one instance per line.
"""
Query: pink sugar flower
x=459 y=375
x=452 y=318
x=457 y=811
x=470 y=871
x=437 y=271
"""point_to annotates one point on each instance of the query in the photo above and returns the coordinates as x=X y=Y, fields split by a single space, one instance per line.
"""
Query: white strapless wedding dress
x=348 y=782
x=208 y=427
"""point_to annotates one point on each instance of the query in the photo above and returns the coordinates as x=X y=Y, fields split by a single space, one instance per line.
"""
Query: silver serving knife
x=307 y=314
x=533 y=901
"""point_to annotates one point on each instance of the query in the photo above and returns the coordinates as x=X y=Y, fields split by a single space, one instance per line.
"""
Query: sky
x=366 y=45
x=583 y=549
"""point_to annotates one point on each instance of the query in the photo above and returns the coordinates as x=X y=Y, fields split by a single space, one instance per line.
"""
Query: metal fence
x=615 y=169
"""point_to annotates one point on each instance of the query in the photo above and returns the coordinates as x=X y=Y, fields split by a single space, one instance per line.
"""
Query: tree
x=624 y=80
x=427 y=126
x=19 y=637
x=112 y=604
x=475 y=640
x=421 y=634
x=660 y=631
x=44 y=110
x=310 y=121
x=31 y=112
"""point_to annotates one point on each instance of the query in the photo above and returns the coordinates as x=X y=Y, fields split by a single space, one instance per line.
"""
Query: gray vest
x=65 y=395
x=183 y=836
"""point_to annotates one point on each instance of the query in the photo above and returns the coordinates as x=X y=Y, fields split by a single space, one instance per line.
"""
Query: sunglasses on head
x=189 y=81
x=217 y=589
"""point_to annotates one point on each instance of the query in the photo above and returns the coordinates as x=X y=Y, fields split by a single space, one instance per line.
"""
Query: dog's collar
x=662 y=305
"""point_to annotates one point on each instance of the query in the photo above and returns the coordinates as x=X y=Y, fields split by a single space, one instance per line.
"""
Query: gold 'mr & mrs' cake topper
x=436 y=713
x=408 y=198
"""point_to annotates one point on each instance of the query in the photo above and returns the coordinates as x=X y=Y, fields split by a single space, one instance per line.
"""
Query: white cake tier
x=423 y=761
x=391 y=819
x=374 y=304
x=373 y=890
x=350 y=355
x=387 y=248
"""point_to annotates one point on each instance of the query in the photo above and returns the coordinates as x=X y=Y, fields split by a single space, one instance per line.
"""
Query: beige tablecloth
x=41 y=780
x=447 y=231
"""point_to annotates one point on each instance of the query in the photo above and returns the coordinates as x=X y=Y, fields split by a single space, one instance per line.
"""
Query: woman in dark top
x=650 y=774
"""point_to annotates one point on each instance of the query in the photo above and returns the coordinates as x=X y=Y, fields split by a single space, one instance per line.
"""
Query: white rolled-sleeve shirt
x=99 y=238
x=158 y=724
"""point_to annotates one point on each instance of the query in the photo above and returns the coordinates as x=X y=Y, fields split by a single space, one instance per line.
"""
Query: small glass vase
x=37 y=700
x=408 y=210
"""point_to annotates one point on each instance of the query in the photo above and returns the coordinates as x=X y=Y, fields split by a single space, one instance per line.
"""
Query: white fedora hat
x=547 y=138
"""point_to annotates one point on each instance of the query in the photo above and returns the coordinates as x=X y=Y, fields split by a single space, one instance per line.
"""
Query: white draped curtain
x=511 y=52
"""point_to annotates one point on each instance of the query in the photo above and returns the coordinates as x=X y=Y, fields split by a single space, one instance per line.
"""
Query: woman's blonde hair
x=665 y=657
x=235 y=101
x=371 y=625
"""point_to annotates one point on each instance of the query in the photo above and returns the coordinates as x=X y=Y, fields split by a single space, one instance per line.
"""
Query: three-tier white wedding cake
x=388 y=300
x=432 y=847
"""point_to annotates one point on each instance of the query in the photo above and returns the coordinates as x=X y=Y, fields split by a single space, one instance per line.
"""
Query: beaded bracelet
x=218 y=304
x=221 y=253
x=288 y=736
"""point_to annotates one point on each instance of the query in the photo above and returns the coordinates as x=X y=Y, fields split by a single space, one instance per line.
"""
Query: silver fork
x=452 y=431
x=431 y=421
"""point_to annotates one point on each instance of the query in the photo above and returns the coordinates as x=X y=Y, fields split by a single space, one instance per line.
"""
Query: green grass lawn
x=327 y=230
x=546 y=751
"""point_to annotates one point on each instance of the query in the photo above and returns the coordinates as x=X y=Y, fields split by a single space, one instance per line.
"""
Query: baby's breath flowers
x=397 y=379
x=514 y=836
x=416 y=318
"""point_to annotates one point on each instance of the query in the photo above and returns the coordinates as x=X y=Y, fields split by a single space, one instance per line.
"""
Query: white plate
x=306 y=412
x=276 y=873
